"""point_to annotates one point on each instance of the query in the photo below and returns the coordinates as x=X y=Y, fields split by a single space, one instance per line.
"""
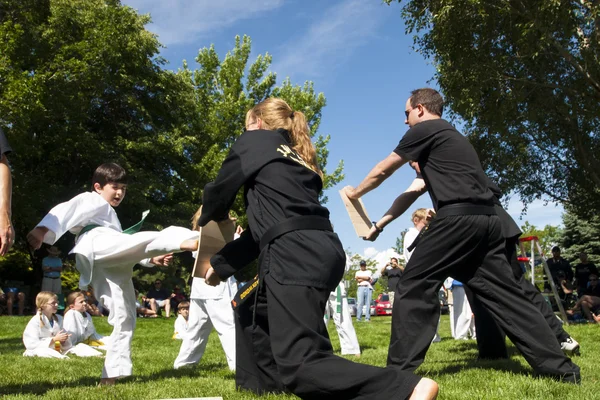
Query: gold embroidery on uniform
x=293 y=155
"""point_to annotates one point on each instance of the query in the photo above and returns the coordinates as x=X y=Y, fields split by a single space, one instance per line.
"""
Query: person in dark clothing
x=590 y=299
x=301 y=260
x=583 y=271
x=490 y=339
x=558 y=264
x=463 y=241
x=159 y=297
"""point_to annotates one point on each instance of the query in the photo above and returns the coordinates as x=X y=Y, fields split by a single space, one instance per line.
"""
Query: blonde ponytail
x=275 y=113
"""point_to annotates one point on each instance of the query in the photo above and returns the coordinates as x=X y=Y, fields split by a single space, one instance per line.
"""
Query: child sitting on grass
x=78 y=323
x=43 y=335
x=181 y=323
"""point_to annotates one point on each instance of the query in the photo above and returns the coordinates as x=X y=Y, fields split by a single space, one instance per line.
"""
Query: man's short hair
x=429 y=98
x=109 y=173
x=556 y=249
x=363 y=262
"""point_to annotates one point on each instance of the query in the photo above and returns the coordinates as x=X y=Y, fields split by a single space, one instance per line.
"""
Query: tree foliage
x=549 y=237
x=580 y=235
x=524 y=75
x=82 y=83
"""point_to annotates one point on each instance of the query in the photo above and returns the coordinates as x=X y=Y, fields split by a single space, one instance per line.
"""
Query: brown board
x=358 y=215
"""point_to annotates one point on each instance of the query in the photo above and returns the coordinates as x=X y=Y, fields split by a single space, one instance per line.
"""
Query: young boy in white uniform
x=183 y=317
x=337 y=308
x=105 y=256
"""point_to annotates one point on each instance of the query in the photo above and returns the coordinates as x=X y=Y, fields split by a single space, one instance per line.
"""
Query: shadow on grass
x=469 y=347
x=41 y=388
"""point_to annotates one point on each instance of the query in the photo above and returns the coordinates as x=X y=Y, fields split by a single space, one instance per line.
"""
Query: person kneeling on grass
x=105 y=255
x=78 y=323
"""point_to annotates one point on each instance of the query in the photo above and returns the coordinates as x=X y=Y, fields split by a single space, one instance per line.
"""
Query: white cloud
x=381 y=257
x=184 y=21
x=538 y=213
x=331 y=39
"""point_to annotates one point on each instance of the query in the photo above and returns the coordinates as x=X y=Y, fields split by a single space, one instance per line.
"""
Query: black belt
x=455 y=209
x=305 y=222
x=465 y=209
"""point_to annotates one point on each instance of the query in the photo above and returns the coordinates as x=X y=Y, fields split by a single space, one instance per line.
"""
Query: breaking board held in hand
x=358 y=214
x=213 y=236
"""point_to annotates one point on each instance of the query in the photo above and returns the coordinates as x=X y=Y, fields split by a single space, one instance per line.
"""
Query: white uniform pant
x=204 y=314
x=343 y=324
x=462 y=323
x=51 y=285
x=114 y=258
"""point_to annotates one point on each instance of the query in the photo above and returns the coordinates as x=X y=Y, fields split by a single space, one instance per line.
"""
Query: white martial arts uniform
x=181 y=327
x=38 y=339
x=462 y=322
x=209 y=306
x=409 y=238
x=105 y=257
x=342 y=320
x=82 y=330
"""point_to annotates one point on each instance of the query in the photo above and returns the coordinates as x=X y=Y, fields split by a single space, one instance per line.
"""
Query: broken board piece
x=213 y=236
x=358 y=215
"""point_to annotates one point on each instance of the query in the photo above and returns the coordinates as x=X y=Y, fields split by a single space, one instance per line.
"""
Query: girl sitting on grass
x=43 y=335
x=78 y=323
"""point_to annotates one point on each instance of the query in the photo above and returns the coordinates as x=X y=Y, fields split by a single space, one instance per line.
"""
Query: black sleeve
x=4 y=146
x=416 y=141
x=246 y=157
x=235 y=255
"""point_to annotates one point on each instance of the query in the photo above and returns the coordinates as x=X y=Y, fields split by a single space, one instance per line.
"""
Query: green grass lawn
x=451 y=363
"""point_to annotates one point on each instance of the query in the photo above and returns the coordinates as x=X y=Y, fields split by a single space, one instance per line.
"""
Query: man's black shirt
x=448 y=163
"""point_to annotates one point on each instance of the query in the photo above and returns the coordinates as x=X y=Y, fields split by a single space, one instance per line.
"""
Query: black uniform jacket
x=278 y=185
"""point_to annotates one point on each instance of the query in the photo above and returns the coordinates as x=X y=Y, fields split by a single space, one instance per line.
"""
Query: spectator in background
x=7 y=232
x=159 y=297
x=590 y=300
x=181 y=323
x=141 y=306
x=7 y=299
x=177 y=297
x=364 y=291
x=582 y=273
x=93 y=307
x=52 y=267
x=555 y=265
x=393 y=271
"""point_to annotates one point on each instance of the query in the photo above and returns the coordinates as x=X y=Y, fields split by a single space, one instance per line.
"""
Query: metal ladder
x=535 y=246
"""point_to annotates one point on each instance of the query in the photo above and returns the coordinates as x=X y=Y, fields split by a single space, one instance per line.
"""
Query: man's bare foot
x=426 y=389
x=189 y=245
x=107 y=381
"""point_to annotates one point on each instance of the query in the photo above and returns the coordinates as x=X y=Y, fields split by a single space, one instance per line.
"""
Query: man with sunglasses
x=464 y=241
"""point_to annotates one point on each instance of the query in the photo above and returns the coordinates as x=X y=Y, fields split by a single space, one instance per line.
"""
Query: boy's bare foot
x=426 y=389
x=189 y=245
x=107 y=381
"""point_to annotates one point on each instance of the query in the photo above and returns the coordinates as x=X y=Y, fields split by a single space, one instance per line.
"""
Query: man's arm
x=399 y=206
x=7 y=233
x=383 y=170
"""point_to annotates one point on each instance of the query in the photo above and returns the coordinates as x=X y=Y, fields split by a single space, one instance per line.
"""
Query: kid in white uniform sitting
x=181 y=323
x=43 y=335
x=105 y=255
x=78 y=323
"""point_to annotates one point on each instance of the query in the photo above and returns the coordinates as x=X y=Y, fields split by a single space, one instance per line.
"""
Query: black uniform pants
x=290 y=349
x=469 y=248
x=490 y=339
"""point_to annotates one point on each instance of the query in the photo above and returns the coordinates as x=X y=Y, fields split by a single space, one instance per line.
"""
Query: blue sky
x=357 y=53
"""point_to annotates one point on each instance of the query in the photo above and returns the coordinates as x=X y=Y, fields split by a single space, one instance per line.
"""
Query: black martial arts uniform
x=465 y=242
x=290 y=346
x=490 y=339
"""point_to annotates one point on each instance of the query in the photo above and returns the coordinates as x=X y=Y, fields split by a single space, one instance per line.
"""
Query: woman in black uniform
x=301 y=260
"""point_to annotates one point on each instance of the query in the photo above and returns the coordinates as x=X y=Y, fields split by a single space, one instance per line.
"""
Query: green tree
x=580 y=235
x=525 y=78
x=82 y=83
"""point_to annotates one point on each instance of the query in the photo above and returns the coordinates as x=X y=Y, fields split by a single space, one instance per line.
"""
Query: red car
x=383 y=305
